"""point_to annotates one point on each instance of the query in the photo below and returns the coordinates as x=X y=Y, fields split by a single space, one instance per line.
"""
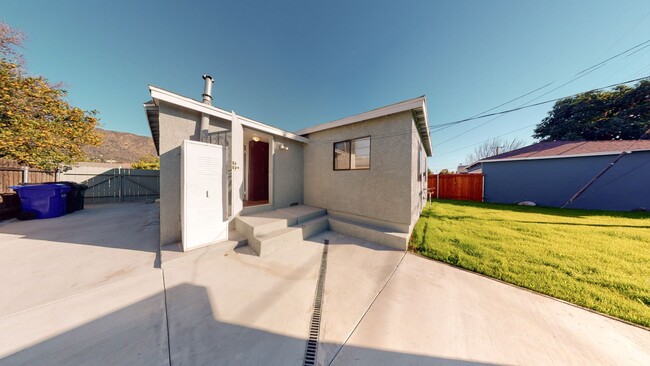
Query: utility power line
x=637 y=48
x=577 y=76
x=537 y=104
x=480 y=142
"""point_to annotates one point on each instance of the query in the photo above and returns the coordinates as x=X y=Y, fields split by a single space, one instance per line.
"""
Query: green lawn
x=596 y=259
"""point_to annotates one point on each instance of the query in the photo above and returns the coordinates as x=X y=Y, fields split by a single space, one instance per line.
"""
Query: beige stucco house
x=222 y=173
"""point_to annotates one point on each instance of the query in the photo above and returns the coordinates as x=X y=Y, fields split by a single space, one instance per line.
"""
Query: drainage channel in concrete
x=314 y=327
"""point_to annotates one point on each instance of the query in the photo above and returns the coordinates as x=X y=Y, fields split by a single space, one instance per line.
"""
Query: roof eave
x=161 y=94
x=151 y=112
x=414 y=105
x=603 y=153
x=422 y=124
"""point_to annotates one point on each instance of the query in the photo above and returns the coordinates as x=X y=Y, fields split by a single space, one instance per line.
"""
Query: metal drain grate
x=314 y=326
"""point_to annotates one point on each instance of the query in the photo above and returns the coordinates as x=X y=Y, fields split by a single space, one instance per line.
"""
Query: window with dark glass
x=352 y=154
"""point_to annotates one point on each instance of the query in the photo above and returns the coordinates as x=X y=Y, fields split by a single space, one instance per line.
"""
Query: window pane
x=342 y=155
x=361 y=153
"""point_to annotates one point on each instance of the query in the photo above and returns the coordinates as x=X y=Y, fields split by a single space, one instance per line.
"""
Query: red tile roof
x=570 y=148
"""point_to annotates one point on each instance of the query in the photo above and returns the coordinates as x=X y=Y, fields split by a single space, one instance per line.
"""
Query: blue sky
x=293 y=64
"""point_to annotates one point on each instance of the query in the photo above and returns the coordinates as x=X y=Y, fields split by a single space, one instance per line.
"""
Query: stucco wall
x=418 y=183
x=287 y=173
x=552 y=182
x=176 y=124
x=381 y=193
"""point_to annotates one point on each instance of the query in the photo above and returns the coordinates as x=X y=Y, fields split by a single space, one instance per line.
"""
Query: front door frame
x=237 y=165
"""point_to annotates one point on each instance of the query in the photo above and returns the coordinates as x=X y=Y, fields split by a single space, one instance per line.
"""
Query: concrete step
x=265 y=222
x=314 y=226
x=301 y=213
x=172 y=255
x=261 y=224
x=261 y=227
x=375 y=234
x=236 y=236
x=268 y=243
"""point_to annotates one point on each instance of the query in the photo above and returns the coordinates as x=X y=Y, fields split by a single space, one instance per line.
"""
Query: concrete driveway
x=85 y=289
x=381 y=307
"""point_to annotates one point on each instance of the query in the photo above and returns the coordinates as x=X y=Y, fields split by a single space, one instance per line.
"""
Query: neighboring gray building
x=550 y=173
x=367 y=171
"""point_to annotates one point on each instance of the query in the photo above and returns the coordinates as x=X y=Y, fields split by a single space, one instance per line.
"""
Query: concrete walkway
x=85 y=289
x=434 y=314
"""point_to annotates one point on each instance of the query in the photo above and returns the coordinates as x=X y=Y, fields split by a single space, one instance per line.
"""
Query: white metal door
x=202 y=194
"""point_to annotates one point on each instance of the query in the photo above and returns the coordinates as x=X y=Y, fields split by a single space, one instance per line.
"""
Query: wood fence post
x=482 y=188
x=438 y=185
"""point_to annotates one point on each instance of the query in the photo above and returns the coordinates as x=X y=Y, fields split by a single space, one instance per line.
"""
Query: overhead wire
x=580 y=74
x=540 y=103
x=625 y=34
x=439 y=127
x=480 y=142
x=442 y=126
x=576 y=77
x=637 y=48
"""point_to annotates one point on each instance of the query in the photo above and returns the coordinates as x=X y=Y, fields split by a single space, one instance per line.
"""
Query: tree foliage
x=38 y=127
x=147 y=163
x=622 y=113
x=493 y=147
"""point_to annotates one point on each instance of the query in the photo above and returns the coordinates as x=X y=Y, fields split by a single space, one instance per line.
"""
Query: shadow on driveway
x=132 y=226
x=50 y=259
x=126 y=337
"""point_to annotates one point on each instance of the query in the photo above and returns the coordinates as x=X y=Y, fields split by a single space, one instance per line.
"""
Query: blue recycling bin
x=43 y=201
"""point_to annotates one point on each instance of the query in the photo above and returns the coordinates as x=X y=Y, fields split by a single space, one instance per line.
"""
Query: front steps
x=270 y=231
x=267 y=232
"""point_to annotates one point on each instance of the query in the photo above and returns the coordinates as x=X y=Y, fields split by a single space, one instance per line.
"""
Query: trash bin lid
x=62 y=187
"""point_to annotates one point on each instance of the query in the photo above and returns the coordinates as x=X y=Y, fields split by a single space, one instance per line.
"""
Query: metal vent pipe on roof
x=207 y=89
x=207 y=99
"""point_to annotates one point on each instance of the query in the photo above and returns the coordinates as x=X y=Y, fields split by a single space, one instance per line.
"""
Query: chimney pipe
x=207 y=89
x=207 y=99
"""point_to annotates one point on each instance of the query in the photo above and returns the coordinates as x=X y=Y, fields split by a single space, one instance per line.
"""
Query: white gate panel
x=202 y=194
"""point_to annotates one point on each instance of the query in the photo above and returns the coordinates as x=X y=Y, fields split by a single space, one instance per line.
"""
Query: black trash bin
x=75 y=198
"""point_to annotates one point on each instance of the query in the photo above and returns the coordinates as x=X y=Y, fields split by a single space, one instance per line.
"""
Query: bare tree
x=10 y=39
x=493 y=147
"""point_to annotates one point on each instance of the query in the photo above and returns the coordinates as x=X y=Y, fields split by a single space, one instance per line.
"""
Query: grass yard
x=596 y=259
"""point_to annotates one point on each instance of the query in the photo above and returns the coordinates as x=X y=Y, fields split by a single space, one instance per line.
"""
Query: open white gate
x=203 y=182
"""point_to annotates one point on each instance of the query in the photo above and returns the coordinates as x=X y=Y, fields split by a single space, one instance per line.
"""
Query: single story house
x=462 y=169
x=606 y=175
x=216 y=166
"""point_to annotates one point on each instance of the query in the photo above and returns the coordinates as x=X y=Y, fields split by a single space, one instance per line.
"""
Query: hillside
x=120 y=147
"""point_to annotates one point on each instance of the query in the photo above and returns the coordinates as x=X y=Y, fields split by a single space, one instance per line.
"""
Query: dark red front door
x=258 y=171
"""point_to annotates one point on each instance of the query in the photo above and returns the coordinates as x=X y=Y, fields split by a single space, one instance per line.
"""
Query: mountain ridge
x=120 y=147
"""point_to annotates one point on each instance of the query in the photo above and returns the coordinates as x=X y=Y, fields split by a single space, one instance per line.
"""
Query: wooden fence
x=467 y=187
x=105 y=185
x=12 y=174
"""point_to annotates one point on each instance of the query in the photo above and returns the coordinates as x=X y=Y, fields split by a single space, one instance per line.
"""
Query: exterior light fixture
x=256 y=138
x=282 y=146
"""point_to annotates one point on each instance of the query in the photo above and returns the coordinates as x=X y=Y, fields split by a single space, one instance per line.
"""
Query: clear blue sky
x=293 y=64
